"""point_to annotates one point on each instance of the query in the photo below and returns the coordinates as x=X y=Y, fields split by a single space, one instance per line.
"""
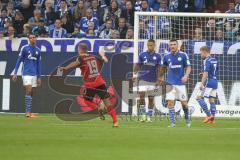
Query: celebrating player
x=94 y=83
x=178 y=69
x=146 y=69
x=209 y=84
x=30 y=55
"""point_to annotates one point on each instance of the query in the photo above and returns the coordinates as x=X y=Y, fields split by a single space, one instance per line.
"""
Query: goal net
x=192 y=30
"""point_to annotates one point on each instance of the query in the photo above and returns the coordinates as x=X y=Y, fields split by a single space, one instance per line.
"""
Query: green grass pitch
x=48 y=138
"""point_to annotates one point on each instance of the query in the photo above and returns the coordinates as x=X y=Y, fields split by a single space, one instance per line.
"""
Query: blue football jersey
x=176 y=64
x=149 y=63
x=31 y=58
x=210 y=65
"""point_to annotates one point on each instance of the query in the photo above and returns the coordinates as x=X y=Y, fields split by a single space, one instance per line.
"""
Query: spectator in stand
x=186 y=6
x=130 y=33
x=58 y=31
x=57 y=4
x=219 y=21
x=106 y=33
x=48 y=13
x=113 y=12
x=67 y=24
x=10 y=9
x=137 y=5
x=63 y=10
x=231 y=9
x=43 y=33
x=11 y=33
x=115 y=34
x=90 y=27
x=7 y=24
x=229 y=33
x=35 y=19
x=128 y=13
x=26 y=30
x=145 y=7
x=173 y=5
x=219 y=35
x=79 y=11
x=4 y=18
x=18 y=22
x=90 y=34
x=98 y=12
x=237 y=6
x=40 y=26
x=76 y=33
x=89 y=18
x=163 y=6
x=122 y=28
x=144 y=32
x=26 y=8
x=198 y=35
x=210 y=32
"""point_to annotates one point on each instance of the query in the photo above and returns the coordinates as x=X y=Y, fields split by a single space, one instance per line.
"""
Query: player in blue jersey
x=30 y=55
x=178 y=69
x=146 y=70
x=209 y=84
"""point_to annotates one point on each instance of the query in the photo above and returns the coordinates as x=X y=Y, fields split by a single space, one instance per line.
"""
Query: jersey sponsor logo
x=32 y=57
x=175 y=66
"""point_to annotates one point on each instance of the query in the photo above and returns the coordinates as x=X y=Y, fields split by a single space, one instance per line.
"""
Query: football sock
x=112 y=112
x=213 y=108
x=204 y=106
x=171 y=112
x=28 y=103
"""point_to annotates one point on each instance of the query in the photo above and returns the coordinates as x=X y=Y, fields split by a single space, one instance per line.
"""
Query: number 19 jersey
x=90 y=66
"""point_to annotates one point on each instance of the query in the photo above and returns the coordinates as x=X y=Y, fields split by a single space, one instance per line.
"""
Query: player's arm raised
x=72 y=65
x=103 y=56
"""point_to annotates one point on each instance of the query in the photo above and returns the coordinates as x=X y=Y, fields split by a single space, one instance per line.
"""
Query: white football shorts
x=30 y=80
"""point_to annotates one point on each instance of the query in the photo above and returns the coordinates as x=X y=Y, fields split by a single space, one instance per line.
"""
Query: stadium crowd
x=104 y=19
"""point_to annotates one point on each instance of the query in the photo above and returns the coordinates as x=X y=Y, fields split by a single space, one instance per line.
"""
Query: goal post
x=219 y=31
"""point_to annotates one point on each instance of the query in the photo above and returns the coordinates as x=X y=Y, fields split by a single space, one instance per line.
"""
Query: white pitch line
x=149 y=127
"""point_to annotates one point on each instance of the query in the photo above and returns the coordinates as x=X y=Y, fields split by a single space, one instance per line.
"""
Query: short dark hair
x=145 y=1
x=31 y=33
x=151 y=40
x=173 y=40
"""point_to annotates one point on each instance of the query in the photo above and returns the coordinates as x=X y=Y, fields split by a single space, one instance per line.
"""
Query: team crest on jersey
x=179 y=59
x=154 y=58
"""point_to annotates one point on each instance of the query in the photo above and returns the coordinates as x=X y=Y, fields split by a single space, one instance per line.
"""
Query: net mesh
x=220 y=34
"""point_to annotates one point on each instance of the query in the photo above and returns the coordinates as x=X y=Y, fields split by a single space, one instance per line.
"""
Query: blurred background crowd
x=111 y=19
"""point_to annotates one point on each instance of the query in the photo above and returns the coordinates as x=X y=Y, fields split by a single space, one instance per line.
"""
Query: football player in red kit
x=93 y=82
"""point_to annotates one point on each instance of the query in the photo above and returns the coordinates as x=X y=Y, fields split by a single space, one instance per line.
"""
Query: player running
x=209 y=84
x=30 y=55
x=94 y=83
x=178 y=69
x=146 y=70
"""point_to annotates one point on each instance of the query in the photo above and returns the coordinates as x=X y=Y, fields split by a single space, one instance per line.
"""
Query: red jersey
x=90 y=66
